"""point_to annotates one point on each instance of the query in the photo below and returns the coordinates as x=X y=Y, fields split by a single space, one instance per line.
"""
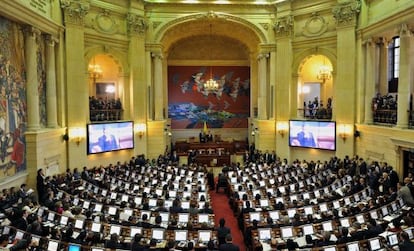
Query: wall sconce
x=282 y=128
x=65 y=137
x=255 y=131
x=344 y=131
x=77 y=134
x=140 y=129
x=167 y=132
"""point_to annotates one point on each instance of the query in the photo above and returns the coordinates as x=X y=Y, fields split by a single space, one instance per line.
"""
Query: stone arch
x=119 y=58
x=225 y=25
x=300 y=58
x=305 y=68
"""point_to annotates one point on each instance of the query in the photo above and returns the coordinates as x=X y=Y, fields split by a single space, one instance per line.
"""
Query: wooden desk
x=224 y=146
x=213 y=159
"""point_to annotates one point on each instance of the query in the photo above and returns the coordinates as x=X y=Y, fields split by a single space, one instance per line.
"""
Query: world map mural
x=190 y=104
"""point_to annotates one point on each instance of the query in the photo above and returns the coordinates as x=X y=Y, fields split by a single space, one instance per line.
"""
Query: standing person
x=40 y=185
x=228 y=245
x=222 y=231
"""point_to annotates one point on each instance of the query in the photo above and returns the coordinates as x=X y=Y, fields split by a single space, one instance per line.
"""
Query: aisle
x=221 y=207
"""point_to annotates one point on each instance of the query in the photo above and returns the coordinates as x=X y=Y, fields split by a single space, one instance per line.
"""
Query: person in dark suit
x=113 y=242
x=405 y=243
x=174 y=158
x=228 y=245
x=305 y=137
x=222 y=231
x=136 y=244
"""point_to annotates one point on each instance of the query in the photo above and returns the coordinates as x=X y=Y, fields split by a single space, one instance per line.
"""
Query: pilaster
x=137 y=83
x=345 y=14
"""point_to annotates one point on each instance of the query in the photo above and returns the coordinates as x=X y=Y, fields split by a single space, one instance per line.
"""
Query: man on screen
x=305 y=137
x=107 y=142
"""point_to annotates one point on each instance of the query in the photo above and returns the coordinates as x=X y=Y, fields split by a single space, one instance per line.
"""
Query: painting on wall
x=190 y=104
x=13 y=105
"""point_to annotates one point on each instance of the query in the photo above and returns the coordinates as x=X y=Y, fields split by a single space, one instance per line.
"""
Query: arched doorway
x=315 y=88
x=105 y=88
x=224 y=51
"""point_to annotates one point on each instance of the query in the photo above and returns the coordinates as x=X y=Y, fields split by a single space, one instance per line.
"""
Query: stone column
x=345 y=14
x=262 y=79
x=370 y=47
x=32 y=83
x=383 y=66
x=137 y=83
x=406 y=77
x=284 y=31
x=158 y=86
x=51 y=82
x=77 y=89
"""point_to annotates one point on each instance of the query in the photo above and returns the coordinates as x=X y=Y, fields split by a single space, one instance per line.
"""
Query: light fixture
x=282 y=128
x=344 y=131
x=76 y=134
x=95 y=71
x=211 y=85
x=255 y=131
x=140 y=129
x=324 y=73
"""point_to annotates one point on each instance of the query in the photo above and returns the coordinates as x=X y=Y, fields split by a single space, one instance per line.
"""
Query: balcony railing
x=321 y=113
x=384 y=116
x=106 y=115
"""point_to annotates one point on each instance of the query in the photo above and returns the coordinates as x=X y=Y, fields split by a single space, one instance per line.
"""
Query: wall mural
x=12 y=99
x=190 y=105
x=41 y=78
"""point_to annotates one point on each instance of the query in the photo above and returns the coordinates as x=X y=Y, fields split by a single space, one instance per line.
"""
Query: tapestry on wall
x=190 y=104
x=12 y=99
x=41 y=78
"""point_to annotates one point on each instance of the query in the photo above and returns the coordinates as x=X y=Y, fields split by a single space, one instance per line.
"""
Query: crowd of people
x=261 y=176
x=314 y=109
x=384 y=108
x=105 y=109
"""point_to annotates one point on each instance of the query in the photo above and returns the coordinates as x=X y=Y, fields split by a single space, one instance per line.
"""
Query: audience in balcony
x=384 y=108
x=105 y=109
x=314 y=109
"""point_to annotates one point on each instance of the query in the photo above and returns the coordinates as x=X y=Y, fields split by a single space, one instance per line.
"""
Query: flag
x=205 y=129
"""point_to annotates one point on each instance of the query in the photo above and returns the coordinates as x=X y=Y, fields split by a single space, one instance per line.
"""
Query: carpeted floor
x=221 y=207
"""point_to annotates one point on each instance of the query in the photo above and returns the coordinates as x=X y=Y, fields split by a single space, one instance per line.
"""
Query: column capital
x=136 y=24
x=383 y=41
x=284 y=26
x=157 y=55
x=369 y=42
x=51 y=40
x=346 y=13
x=262 y=55
x=75 y=11
x=404 y=30
x=31 y=31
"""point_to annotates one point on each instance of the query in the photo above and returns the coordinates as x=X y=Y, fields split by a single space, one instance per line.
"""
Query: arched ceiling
x=212 y=31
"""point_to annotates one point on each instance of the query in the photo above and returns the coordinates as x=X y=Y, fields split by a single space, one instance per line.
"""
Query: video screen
x=106 y=137
x=312 y=134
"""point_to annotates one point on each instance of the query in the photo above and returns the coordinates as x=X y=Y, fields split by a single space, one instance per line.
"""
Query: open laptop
x=265 y=234
x=204 y=236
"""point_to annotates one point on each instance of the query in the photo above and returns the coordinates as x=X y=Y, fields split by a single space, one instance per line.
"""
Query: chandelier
x=211 y=85
x=324 y=73
x=95 y=71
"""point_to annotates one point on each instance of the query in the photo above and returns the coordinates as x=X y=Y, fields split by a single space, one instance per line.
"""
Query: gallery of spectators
x=57 y=56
